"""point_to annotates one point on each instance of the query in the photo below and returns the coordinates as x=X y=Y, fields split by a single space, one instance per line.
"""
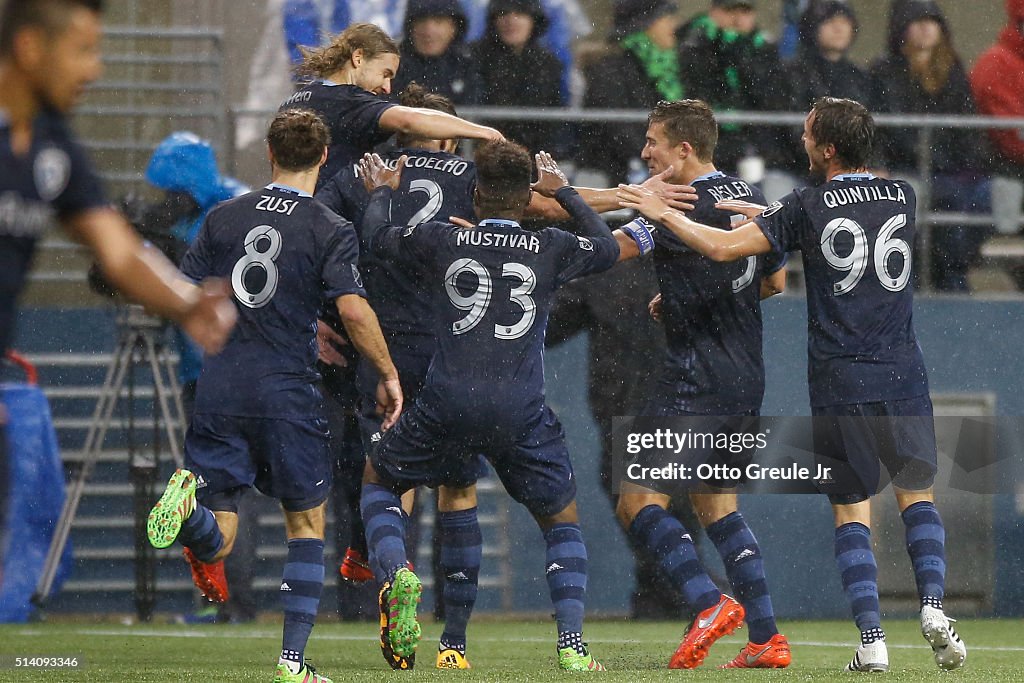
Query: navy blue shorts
x=426 y=449
x=859 y=438
x=412 y=366
x=287 y=459
x=705 y=451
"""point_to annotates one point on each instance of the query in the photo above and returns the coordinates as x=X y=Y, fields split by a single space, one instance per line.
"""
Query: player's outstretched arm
x=718 y=245
x=601 y=200
x=434 y=125
x=142 y=274
x=364 y=330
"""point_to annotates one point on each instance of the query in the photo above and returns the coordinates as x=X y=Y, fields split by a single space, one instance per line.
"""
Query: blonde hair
x=934 y=74
x=324 y=61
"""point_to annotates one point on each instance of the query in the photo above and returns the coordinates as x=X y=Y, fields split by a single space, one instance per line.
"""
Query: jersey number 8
x=262 y=246
x=856 y=262
x=477 y=302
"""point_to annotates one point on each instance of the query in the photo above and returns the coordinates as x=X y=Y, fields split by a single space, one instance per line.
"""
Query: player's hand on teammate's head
x=681 y=197
x=654 y=307
x=389 y=402
x=376 y=173
x=643 y=200
x=748 y=209
x=550 y=178
x=212 y=317
x=328 y=343
x=493 y=134
x=461 y=222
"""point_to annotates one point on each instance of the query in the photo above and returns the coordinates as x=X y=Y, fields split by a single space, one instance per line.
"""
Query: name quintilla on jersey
x=863 y=193
x=479 y=238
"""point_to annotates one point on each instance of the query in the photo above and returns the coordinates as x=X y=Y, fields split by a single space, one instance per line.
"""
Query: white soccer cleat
x=871 y=658
x=949 y=650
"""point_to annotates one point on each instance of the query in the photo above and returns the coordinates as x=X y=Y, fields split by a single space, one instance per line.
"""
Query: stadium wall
x=971 y=346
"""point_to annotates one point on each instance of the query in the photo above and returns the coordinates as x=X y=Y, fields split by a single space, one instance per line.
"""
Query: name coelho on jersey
x=20 y=217
x=479 y=238
x=863 y=193
x=456 y=167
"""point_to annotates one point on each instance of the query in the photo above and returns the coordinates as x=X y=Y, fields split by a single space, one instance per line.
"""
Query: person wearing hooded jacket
x=997 y=82
x=922 y=74
x=434 y=54
x=640 y=68
x=516 y=71
x=827 y=30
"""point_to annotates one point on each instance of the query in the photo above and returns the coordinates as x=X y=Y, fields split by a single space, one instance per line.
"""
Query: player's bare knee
x=307 y=523
x=568 y=515
x=630 y=505
x=849 y=513
x=451 y=499
x=906 y=498
x=713 y=506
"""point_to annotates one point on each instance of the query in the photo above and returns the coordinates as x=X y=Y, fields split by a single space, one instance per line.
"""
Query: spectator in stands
x=997 y=82
x=641 y=68
x=517 y=72
x=434 y=53
x=922 y=74
x=822 y=66
x=730 y=64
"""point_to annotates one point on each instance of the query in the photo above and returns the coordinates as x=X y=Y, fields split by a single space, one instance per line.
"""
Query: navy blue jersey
x=284 y=253
x=352 y=115
x=856 y=233
x=435 y=185
x=712 y=312
x=491 y=289
x=54 y=180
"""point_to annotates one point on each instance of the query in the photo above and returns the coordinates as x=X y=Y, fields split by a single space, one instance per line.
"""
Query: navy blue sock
x=859 y=572
x=301 y=585
x=926 y=544
x=566 y=572
x=200 y=534
x=385 y=529
x=743 y=565
x=461 y=554
x=666 y=538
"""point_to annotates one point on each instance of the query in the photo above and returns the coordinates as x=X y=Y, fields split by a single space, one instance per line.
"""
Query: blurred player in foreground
x=868 y=383
x=714 y=369
x=49 y=53
x=259 y=418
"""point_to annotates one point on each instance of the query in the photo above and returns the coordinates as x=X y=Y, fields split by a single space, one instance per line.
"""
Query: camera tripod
x=140 y=344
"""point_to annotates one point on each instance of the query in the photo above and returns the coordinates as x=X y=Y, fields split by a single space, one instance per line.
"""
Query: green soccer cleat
x=403 y=627
x=307 y=674
x=174 y=507
x=570 y=660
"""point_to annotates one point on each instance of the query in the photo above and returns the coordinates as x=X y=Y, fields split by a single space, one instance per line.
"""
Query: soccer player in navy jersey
x=351 y=76
x=259 y=418
x=868 y=384
x=49 y=52
x=712 y=317
x=491 y=288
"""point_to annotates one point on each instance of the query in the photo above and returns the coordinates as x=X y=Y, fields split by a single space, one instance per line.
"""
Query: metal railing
x=927 y=219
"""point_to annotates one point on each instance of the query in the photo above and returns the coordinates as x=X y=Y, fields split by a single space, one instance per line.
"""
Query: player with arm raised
x=868 y=384
x=714 y=369
x=352 y=75
x=491 y=288
x=259 y=418
x=49 y=53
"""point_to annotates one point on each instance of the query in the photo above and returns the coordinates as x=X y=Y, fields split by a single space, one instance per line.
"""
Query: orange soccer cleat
x=710 y=625
x=355 y=567
x=208 y=578
x=771 y=655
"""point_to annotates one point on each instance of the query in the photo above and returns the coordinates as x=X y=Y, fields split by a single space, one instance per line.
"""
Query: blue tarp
x=36 y=497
